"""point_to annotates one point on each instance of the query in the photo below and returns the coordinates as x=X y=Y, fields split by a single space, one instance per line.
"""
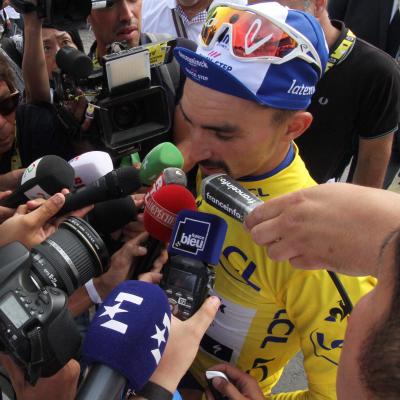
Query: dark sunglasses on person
x=9 y=104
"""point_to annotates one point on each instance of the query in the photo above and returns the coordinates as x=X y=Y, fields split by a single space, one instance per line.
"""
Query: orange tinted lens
x=216 y=17
x=252 y=35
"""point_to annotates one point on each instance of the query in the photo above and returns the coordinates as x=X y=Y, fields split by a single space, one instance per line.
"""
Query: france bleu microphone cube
x=198 y=235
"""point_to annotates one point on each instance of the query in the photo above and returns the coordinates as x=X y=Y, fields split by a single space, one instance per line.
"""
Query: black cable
x=348 y=305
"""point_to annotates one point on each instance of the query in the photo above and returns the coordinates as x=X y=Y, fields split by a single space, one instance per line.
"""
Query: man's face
x=229 y=134
x=7 y=122
x=368 y=314
x=54 y=40
x=118 y=23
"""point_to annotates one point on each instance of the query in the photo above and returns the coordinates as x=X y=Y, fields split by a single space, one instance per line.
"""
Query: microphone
x=160 y=157
x=228 y=196
x=43 y=178
x=116 y=184
x=109 y=216
x=90 y=166
x=74 y=62
x=198 y=235
x=125 y=340
x=159 y=219
x=168 y=176
x=162 y=207
x=197 y=241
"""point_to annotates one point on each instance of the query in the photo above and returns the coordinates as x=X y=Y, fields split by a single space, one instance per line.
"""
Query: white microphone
x=90 y=166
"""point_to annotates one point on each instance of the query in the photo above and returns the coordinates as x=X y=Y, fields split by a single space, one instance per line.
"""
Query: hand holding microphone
x=43 y=178
x=125 y=340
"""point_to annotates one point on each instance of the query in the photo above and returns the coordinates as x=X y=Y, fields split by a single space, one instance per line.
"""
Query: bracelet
x=152 y=391
x=92 y=292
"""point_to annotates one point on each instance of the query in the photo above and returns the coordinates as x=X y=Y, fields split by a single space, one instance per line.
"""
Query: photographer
x=42 y=127
x=70 y=131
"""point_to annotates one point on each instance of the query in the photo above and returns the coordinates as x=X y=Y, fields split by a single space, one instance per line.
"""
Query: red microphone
x=161 y=209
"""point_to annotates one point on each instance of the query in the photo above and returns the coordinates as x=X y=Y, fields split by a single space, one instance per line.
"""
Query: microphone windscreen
x=129 y=331
x=43 y=178
x=74 y=62
x=161 y=209
x=127 y=180
x=198 y=235
x=91 y=166
x=108 y=216
x=163 y=155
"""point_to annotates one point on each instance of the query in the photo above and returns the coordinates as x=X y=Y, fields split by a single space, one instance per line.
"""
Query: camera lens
x=127 y=115
x=70 y=257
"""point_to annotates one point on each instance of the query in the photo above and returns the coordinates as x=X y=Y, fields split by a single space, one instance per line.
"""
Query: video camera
x=35 y=325
x=65 y=14
x=127 y=109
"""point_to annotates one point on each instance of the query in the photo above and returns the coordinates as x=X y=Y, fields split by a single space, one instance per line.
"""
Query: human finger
x=46 y=211
x=6 y=213
x=205 y=315
x=35 y=203
x=267 y=232
x=150 y=277
x=227 y=389
x=271 y=209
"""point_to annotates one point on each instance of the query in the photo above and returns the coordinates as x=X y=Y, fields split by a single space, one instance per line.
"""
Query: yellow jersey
x=270 y=310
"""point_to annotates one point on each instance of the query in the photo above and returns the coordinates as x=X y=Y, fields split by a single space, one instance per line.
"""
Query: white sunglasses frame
x=304 y=45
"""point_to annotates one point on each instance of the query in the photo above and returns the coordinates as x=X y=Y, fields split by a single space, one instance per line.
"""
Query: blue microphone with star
x=125 y=340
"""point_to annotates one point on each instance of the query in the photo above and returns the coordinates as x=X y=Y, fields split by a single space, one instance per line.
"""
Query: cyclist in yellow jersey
x=249 y=82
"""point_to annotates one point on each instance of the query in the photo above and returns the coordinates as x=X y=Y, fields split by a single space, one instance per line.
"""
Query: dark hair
x=6 y=73
x=379 y=361
x=281 y=116
x=74 y=33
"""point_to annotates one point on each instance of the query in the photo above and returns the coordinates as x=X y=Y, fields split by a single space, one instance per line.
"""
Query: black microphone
x=114 y=185
x=43 y=178
x=73 y=62
x=109 y=216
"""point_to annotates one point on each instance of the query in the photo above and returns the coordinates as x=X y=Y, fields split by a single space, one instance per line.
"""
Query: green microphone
x=160 y=157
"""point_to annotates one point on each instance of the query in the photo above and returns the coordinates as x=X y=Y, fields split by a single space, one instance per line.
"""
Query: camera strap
x=179 y=25
x=34 y=368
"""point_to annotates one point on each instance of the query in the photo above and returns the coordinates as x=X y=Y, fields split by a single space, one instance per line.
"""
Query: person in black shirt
x=356 y=106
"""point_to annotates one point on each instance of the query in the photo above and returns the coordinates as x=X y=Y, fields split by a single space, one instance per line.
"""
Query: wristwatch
x=152 y=391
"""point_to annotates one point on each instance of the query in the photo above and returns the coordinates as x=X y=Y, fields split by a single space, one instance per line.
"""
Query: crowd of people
x=280 y=95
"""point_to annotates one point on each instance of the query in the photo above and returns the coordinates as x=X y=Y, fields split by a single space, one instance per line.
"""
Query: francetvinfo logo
x=191 y=236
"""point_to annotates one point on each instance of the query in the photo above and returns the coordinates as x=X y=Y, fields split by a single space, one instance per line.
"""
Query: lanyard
x=341 y=51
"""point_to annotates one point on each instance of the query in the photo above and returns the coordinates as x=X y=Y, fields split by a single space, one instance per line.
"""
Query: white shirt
x=157 y=18
x=396 y=7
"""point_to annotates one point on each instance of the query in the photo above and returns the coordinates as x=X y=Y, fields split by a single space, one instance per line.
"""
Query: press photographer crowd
x=199 y=198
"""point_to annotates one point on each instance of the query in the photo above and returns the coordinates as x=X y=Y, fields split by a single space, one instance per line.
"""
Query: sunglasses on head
x=8 y=105
x=256 y=36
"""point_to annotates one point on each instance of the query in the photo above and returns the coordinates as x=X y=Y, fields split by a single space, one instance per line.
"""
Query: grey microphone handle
x=101 y=383
x=228 y=196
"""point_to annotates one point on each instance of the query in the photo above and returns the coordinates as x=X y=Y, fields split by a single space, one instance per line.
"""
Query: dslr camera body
x=35 y=325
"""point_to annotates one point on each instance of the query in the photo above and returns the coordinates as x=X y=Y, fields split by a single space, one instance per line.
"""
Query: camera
x=187 y=282
x=35 y=325
x=64 y=14
x=128 y=110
